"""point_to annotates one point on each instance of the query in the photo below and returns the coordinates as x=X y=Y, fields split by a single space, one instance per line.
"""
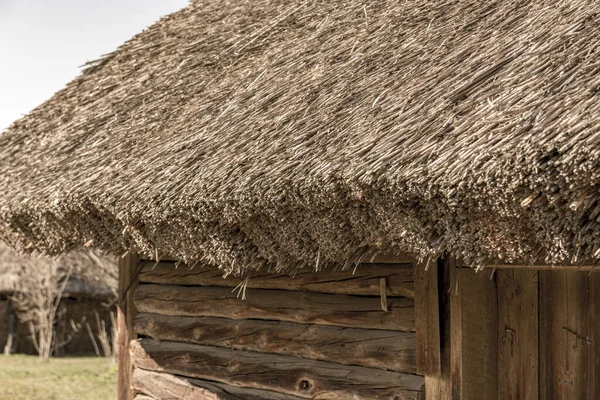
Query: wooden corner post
x=126 y=311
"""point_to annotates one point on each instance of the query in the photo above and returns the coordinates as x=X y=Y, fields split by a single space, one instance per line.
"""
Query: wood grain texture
x=439 y=387
x=163 y=386
x=593 y=383
x=371 y=348
x=280 y=305
x=283 y=374
x=364 y=280
x=125 y=313
x=569 y=350
x=427 y=320
x=518 y=334
x=474 y=324
x=586 y=267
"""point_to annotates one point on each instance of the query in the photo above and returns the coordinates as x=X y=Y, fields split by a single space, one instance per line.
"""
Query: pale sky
x=44 y=42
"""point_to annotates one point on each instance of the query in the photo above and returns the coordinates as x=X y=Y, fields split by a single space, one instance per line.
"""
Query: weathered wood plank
x=518 y=334
x=474 y=323
x=163 y=386
x=588 y=267
x=427 y=320
x=364 y=280
x=371 y=348
x=125 y=313
x=283 y=374
x=280 y=305
x=567 y=347
x=593 y=382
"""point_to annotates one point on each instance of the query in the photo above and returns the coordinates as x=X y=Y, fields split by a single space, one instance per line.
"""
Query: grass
x=25 y=378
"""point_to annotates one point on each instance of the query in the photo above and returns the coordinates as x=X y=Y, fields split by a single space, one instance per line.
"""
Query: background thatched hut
x=91 y=289
x=349 y=144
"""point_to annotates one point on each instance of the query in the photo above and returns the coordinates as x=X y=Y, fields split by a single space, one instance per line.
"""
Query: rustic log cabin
x=84 y=309
x=334 y=200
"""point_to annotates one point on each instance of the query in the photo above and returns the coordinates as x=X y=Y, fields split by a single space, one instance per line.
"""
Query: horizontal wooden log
x=162 y=386
x=364 y=280
x=367 y=347
x=283 y=374
x=372 y=257
x=279 y=305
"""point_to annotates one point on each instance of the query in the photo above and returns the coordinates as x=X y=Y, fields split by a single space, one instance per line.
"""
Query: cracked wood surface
x=161 y=386
x=280 y=305
x=364 y=280
x=284 y=374
x=569 y=335
x=371 y=348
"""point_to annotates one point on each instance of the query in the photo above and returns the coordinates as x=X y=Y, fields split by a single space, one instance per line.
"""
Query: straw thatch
x=93 y=274
x=280 y=132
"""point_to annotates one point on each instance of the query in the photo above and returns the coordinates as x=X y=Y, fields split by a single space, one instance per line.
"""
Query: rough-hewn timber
x=284 y=374
x=281 y=305
x=363 y=280
x=372 y=348
x=162 y=386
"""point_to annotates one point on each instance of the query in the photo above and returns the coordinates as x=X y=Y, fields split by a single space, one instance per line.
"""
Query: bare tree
x=107 y=340
x=37 y=300
x=38 y=284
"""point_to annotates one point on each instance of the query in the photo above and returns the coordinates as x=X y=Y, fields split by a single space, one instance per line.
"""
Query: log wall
x=329 y=335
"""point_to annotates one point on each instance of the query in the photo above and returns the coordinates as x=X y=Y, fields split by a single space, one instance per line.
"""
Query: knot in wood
x=304 y=385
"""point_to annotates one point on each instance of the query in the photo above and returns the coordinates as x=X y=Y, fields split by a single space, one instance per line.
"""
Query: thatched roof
x=246 y=133
x=93 y=274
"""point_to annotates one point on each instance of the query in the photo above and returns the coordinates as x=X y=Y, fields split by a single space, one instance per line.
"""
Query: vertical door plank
x=427 y=319
x=125 y=314
x=474 y=324
x=594 y=320
x=566 y=336
x=455 y=331
x=518 y=335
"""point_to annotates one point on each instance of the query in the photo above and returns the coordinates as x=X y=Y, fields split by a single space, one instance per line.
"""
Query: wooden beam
x=390 y=350
x=163 y=386
x=542 y=267
x=283 y=374
x=427 y=320
x=375 y=257
x=474 y=357
x=362 y=280
x=518 y=334
x=279 y=305
x=125 y=314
